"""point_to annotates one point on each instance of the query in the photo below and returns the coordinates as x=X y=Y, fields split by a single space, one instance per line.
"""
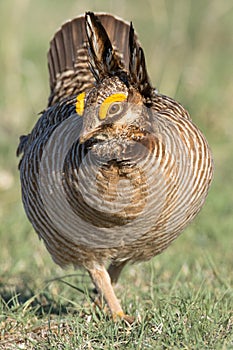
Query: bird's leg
x=103 y=284
x=114 y=271
x=104 y=287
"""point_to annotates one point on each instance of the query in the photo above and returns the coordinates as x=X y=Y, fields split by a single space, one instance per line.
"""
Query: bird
x=113 y=170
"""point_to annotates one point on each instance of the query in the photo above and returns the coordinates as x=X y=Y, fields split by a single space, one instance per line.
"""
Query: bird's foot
x=122 y=316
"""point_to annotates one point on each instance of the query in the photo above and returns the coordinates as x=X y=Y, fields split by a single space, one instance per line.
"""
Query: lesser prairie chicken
x=112 y=171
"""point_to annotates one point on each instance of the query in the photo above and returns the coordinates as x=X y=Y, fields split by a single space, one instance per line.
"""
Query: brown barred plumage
x=115 y=174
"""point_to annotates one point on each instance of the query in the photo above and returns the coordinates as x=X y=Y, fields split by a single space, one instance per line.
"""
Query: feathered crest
x=103 y=60
x=137 y=66
x=90 y=47
x=102 y=57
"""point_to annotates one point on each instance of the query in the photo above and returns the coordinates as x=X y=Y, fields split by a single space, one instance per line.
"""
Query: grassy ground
x=181 y=299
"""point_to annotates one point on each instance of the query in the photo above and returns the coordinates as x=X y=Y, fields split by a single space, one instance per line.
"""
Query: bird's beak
x=84 y=137
x=87 y=134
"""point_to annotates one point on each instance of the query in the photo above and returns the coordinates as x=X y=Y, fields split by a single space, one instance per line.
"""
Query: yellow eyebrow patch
x=119 y=97
x=80 y=103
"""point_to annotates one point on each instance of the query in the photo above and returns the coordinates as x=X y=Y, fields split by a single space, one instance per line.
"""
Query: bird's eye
x=115 y=108
x=112 y=105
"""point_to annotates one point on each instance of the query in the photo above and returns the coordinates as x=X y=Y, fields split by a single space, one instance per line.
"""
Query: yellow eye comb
x=119 y=97
x=80 y=104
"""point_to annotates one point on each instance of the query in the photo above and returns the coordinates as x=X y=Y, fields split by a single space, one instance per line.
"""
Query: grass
x=182 y=299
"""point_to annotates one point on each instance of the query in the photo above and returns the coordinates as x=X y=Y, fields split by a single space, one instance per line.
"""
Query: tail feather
x=67 y=58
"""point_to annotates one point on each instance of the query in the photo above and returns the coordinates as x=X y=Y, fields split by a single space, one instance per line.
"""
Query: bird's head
x=117 y=106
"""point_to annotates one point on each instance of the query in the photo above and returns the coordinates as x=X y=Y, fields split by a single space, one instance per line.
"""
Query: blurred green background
x=189 y=52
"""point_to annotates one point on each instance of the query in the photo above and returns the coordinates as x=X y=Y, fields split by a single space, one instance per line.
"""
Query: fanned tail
x=68 y=61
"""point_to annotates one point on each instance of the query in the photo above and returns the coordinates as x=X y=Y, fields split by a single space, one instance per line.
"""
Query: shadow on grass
x=15 y=297
x=21 y=296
